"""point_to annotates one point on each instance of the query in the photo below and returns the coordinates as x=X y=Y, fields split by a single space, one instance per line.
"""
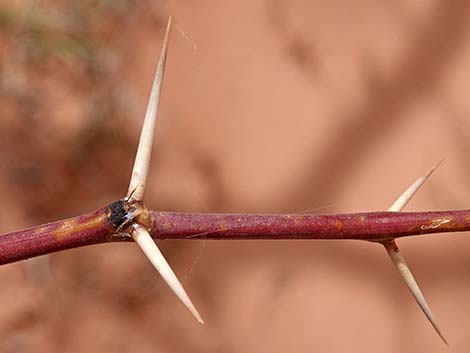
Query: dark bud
x=118 y=213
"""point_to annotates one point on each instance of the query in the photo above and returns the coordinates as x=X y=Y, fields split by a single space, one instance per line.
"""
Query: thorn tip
x=404 y=198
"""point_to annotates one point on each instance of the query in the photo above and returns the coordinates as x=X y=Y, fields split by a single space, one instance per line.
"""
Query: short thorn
x=411 y=191
x=153 y=253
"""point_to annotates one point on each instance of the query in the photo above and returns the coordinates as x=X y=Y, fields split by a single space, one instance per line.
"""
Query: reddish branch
x=108 y=224
x=372 y=226
x=88 y=229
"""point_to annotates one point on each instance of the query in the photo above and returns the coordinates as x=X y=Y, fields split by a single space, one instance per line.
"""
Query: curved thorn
x=402 y=267
x=153 y=253
x=399 y=261
x=142 y=159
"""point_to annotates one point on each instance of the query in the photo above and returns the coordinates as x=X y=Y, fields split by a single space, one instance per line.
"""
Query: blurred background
x=268 y=106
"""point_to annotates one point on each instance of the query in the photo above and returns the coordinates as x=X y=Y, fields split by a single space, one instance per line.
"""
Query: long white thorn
x=142 y=160
x=153 y=253
x=399 y=261
x=402 y=267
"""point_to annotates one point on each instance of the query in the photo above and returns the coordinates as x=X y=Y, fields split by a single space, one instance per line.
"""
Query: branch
x=88 y=229
x=108 y=224
x=372 y=226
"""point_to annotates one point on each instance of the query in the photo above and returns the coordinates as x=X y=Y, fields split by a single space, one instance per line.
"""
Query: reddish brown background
x=268 y=106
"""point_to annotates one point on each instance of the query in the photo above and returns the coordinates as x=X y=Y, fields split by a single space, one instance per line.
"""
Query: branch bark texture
x=105 y=225
x=372 y=226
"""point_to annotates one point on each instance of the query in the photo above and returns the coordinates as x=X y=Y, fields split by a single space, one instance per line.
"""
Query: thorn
x=411 y=191
x=153 y=253
x=402 y=267
x=142 y=160
x=139 y=180
x=399 y=261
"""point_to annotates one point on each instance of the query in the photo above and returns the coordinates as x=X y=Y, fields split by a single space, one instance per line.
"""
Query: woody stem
x=100 y=227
